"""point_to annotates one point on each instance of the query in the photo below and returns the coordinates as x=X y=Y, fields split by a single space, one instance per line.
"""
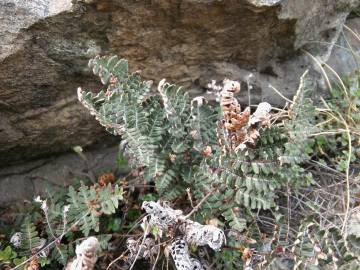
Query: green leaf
x=7 y=254
x=255 y=168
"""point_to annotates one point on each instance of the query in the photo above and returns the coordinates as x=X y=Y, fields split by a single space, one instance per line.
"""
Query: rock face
x=25 y=181
x=45 y=45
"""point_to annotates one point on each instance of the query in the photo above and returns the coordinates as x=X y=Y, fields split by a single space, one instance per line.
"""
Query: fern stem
x=49 y=225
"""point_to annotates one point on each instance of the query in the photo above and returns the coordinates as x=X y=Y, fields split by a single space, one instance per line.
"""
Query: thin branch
x=321 y=68
x=356 y=35
x=280 y=94
x=333 y=132
x=114 y=261
x=157 y=256
x=142 y=243
x=347 y=176
x=189 y=197
x=199 y=204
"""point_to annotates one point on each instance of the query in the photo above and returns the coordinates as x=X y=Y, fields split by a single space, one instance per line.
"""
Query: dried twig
x=199 y=204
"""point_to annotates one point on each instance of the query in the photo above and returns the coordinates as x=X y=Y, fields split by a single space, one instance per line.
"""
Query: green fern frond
x=30 y=237
x=105 y=67
x=321 y=248
x=235 y=218
x=88 y=204
x=176 y=104
x=203 y=125
x=60 y=253
x=301 y=123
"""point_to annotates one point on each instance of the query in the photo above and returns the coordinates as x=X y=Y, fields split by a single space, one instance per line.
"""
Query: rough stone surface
x=45 y=45
x=345 y=56
x=24 y=182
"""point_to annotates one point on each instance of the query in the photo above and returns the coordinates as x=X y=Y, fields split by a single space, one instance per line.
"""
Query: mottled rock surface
x=45 y=45
x=25 y=181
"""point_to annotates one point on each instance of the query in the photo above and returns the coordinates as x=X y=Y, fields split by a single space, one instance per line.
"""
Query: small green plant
x=10 y=257
x=66 y=216
x=191 y=147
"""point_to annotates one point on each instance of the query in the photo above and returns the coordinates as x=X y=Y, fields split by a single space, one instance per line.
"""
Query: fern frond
x=176 y=104
x=60 y=253
x=325 y=248
x=105 y=67
x=203 y=125
x=235 y=219
x=30 y=237
x=88 y=204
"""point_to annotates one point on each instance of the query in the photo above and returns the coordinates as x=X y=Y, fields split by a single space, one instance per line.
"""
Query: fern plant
x=325 y=248
x=156 y=129
x=66 y=215
x=174 y=139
